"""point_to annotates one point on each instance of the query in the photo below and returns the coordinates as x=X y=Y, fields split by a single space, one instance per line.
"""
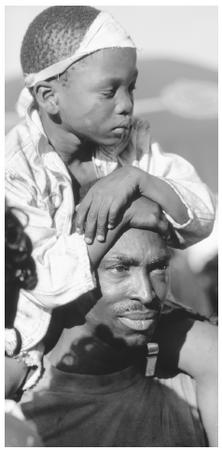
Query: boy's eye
x=132 y=87
x=109 y=93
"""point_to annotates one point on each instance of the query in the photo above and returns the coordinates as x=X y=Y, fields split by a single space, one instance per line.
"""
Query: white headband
x=104 y=32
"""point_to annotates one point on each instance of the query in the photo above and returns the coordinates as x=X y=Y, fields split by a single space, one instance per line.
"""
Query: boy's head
x=81 y=67
x=55 y=34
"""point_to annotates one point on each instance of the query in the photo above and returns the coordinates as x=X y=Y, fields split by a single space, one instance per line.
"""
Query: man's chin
x=138 y=340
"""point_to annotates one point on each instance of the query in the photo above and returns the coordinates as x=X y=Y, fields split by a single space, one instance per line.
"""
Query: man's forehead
x=137 y=245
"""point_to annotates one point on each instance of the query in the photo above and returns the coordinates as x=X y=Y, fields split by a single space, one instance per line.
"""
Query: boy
x=80 y=69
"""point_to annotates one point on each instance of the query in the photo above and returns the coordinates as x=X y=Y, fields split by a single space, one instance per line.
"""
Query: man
x=95 y=393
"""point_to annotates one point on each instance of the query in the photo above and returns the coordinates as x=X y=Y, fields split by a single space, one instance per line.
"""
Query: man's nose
x=124 y=103
x=142 y=288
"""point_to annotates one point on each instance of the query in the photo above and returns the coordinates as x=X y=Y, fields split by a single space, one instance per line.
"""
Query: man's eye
x=161 y=269
x=119 y=269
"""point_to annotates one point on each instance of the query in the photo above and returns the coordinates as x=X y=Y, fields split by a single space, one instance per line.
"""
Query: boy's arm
x=191 y=346
x=172 y=183
x=195 y=202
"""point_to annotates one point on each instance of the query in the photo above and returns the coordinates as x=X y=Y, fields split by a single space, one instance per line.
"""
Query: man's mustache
x=129 y=306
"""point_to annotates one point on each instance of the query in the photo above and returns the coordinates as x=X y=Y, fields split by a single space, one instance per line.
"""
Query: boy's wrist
x=157 y=189
x=148 y=186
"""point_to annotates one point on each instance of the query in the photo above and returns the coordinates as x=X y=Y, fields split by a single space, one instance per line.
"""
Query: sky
x=186 y=33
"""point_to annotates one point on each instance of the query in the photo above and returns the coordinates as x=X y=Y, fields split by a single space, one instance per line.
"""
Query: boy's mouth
x=122 y=129
x=126 y=124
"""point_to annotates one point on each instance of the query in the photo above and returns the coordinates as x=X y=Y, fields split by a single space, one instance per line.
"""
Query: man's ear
x=46 y=96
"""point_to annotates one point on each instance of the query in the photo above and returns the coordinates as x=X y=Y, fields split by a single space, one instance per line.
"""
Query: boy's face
x=96 y=103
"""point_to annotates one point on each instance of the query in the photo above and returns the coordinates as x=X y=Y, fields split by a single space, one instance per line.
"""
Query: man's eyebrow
x=127 y=260
x=165 y=255
x=156 y=262
x=131 y=261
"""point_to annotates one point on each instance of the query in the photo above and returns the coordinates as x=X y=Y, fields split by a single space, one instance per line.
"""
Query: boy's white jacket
x=38 y=183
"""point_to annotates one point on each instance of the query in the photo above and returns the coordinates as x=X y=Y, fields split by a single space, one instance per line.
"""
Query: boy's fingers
x=115 y=210
x=163 y=230
x=163 y=225
x=102 y=222
x=82 y=212
x=91 y=222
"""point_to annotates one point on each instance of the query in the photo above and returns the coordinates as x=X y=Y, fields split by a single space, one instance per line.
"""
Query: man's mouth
x=139 y=314
x=137 y=324
x=135 y=316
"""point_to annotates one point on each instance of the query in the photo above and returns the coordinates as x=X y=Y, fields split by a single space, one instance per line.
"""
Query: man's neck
x=79 y=352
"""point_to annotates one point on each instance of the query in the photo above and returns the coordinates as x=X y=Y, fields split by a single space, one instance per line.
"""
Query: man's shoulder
x=180 y=386
x=175 y=396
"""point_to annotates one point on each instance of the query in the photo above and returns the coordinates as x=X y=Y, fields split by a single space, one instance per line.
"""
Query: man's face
x=97 y=101
x=133 y=279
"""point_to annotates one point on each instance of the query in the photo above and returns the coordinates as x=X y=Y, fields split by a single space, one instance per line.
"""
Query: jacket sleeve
x=62 y=262
x=194 y=194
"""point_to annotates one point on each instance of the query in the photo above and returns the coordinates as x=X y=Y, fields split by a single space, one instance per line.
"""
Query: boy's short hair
x=55 y=34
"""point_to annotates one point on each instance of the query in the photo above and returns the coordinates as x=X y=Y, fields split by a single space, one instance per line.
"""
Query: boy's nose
x=124 y=103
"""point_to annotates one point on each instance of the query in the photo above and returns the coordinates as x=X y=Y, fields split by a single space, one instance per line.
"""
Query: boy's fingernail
x=88 y=240
x=78 y=230
x=110 y=226
x=100 y=237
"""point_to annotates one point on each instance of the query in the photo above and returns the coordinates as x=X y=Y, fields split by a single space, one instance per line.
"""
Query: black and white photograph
x=111 y=225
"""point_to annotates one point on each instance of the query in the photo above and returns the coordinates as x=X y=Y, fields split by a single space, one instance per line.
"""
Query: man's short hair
x=55 y=34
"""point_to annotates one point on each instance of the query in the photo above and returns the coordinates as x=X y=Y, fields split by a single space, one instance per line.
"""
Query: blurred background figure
x=19 y=265
x=194 y=275
x=19 y=273
x=177 y=92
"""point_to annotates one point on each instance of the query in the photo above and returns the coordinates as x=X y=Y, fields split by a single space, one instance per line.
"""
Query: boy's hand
x=146 y=214
x=106 y=201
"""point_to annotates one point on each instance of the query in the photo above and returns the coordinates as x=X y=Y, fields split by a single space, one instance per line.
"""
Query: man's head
x=121 y=317
x=133 y=279
x=92 y=98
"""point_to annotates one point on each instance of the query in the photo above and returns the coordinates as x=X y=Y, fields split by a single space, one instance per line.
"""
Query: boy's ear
x=46 y=97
